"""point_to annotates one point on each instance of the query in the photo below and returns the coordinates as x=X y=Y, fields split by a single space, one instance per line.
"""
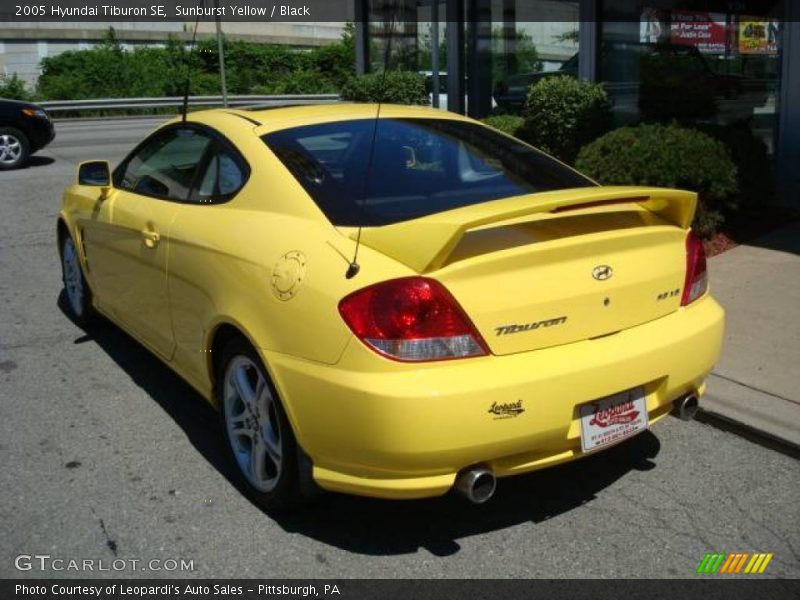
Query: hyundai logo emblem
x=602 y=272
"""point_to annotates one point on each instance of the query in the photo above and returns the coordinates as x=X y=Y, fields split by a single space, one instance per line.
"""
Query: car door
x=131 y=270
x=195 y=252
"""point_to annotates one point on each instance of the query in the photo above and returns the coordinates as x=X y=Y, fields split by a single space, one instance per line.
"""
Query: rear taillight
x=411 y=319
x=696 y=282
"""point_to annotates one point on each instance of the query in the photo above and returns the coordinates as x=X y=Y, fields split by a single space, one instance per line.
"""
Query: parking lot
x=108 y=455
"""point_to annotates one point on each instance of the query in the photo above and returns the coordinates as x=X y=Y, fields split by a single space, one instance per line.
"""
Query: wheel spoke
x=242 y=432
x=242 y=385
x=261 y=396
x=271 y=431
x=240 y=417
x=273 y=446
x=258 y=454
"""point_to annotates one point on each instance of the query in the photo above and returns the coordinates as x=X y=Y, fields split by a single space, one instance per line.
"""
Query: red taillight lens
x=411 y=319
x=696 y=282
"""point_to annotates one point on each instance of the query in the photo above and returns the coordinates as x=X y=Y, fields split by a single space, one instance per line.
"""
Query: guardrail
x=56 y=106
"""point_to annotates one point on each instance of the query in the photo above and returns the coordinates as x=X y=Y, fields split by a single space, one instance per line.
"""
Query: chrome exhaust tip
x=476 y=484
x=686 y=407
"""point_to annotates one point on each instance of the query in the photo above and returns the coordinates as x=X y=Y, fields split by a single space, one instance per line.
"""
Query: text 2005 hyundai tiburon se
x=393 y=306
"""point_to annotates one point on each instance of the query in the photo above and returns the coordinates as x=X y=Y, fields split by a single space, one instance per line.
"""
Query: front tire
x=14 y=148
x=78 y=294
x=259 y=439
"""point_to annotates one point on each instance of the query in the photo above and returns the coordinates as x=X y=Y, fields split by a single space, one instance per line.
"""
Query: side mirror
x=94 y=172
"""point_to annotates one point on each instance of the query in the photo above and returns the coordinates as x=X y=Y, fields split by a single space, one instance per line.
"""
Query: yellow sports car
x=394 y=306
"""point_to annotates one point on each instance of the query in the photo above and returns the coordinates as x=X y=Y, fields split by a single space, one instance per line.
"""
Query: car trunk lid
x=552 y=268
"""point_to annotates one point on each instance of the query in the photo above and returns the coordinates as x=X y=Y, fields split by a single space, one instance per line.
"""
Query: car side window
x=165 y=165
x=224 y=175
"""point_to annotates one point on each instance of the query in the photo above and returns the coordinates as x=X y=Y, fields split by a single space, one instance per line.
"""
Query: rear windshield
x=419 y=167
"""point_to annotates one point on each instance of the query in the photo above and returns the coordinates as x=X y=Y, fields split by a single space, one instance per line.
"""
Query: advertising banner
x=758 y=36
x=708 y=32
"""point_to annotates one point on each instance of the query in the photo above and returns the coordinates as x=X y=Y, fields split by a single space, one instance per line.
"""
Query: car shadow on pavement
x=38 y=161
x=383 y=527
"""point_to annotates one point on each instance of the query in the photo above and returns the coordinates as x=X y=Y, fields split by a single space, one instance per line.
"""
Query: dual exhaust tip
x=686 y=407
x=477 y=483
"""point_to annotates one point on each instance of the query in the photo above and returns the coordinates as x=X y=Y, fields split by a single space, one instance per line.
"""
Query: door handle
x=151 y=238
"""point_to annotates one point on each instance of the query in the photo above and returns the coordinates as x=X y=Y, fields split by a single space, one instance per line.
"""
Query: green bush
x=397 y=87
x=14 y=88
x=297 y=82
x=510 y=124
x=667 y=156
x=562 y=114
x=108 y=70
x=753 y=165
x=670 y=89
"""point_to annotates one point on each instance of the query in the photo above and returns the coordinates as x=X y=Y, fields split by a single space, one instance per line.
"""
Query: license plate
x=613 y=418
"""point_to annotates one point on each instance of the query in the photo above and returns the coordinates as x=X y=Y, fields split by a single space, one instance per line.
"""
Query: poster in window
x=758 y=36
x=654 y=26
x=708 y=32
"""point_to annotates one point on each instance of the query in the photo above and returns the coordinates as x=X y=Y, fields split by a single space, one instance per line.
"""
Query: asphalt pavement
x=108 y=455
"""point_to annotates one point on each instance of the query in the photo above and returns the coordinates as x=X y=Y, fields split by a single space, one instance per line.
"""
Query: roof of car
x=275 y=118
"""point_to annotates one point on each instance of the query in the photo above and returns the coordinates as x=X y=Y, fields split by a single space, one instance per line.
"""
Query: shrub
x=109 y=70
x=667 y=156
x=398 y=87
x=510 y=124
x=13 y=88
x=753 y=166
x=298 y=82
x=671 y=91
x=562 y=114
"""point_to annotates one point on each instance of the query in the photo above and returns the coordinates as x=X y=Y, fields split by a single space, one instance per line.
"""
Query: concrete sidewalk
x=757 y=381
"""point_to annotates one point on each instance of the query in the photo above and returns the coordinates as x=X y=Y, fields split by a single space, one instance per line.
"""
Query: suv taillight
x=696 y=282
x=411 y=319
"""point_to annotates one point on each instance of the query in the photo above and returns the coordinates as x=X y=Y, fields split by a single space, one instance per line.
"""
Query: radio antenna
x=353 y=268
x=188 y=83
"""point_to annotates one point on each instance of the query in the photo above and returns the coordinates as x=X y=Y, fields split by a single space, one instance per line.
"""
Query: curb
x=748 y=432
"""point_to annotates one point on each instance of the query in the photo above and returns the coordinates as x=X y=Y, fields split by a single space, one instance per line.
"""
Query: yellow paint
x=379 y=427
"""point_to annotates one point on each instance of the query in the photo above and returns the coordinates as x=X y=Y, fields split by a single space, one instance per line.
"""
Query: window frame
x=216 y=140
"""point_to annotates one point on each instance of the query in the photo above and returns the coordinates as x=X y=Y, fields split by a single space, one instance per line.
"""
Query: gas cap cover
x=288 y=274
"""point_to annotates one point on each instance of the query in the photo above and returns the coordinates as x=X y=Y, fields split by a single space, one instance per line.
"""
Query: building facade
x=732 y=64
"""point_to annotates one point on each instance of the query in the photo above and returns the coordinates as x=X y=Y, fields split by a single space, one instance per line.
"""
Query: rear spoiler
x=424 y=244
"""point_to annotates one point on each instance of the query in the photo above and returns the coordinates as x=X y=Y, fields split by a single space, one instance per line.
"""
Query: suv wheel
x=14 y=148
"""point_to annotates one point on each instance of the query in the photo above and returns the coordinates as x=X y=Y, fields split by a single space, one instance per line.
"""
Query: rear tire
x=259 y=439
x=14 y=148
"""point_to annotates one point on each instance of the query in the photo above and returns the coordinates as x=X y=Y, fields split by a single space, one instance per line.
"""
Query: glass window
x=418 y=167
x=222 y=178
x=715 y=70
x=165 y=165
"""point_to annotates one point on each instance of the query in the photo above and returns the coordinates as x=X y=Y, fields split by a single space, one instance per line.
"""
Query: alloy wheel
x=251 y=419
x=10 y=149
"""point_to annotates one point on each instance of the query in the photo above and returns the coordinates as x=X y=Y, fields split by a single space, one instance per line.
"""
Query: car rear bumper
x=381 y=428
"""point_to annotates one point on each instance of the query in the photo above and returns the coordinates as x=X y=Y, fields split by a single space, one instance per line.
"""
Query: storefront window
x=530 y=40
x=507 y=46
x=709 y=68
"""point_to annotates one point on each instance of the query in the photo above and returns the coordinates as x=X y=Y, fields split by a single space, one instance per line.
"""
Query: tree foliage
x=397 y=87
x=109 y=70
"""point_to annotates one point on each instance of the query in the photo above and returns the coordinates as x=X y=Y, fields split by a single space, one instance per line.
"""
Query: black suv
x=24 y=129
